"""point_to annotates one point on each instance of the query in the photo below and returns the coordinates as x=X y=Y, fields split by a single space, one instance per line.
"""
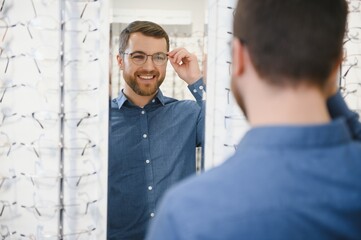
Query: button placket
x=145 y=131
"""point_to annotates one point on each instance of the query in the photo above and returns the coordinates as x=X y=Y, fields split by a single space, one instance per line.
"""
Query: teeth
x=146 y=76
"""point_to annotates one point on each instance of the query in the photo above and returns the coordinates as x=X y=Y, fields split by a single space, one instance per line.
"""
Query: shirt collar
x=308 y=136
x=122 y=98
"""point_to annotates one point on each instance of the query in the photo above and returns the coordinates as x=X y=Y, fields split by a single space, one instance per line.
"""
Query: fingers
x=185 y=64
x=174 y=64
x=180 y=56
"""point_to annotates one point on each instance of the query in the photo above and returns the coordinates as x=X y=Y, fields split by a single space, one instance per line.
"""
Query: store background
x=53 y=119
x=46 y=189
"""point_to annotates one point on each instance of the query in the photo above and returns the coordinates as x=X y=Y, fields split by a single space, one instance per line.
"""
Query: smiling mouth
x=146 y=77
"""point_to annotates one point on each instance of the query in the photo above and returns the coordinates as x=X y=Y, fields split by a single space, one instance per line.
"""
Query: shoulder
x=180 y=103
x=197 y=194
x=199 y=203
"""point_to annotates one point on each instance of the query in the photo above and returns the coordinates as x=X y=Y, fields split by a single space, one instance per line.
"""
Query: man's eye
x=138 y=56
x=160 y=56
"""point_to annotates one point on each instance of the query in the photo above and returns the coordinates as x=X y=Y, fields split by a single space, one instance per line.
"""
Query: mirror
x=132 y=203
x=185 y=23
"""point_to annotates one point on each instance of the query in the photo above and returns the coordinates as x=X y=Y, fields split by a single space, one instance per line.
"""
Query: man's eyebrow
x=138 y=52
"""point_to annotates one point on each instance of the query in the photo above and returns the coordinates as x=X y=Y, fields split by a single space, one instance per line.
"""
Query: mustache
x=156 y=73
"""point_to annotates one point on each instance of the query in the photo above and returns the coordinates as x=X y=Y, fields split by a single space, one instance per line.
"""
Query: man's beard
x=238 y=97
x=144 y=89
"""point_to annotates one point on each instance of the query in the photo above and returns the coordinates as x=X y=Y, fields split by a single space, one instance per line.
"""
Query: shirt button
x=150 y=188
x=143 y=112
x=152 y=214
x=147 y=161
x=145 y=136
x=201 y=87
x=153 y=101
x=195 y=90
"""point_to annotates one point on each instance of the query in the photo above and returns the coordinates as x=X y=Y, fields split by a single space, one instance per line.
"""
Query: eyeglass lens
x=140 y=58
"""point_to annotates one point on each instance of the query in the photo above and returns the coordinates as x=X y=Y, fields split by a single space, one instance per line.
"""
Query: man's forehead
x=140 y=42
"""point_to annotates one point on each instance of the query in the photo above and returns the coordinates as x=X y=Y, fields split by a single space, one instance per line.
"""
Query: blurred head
x=290 y=42
x=142 y=50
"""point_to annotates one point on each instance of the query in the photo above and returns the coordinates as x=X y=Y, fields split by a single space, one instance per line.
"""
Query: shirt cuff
x=197 y=89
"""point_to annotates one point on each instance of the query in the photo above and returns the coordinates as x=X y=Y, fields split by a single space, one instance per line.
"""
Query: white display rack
x=53 y=119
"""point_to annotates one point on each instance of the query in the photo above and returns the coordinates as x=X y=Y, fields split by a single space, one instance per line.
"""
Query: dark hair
x=147 y=28
x=292 y=39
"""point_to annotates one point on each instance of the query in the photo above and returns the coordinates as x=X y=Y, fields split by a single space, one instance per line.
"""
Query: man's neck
x=136 y=99
x=291 y=106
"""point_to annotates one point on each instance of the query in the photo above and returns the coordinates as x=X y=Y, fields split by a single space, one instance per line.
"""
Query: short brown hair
x=147 y=28
x=292 y=39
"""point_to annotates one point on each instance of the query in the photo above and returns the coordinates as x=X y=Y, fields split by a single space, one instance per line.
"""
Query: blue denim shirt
x=150 y=149
x=283 y=182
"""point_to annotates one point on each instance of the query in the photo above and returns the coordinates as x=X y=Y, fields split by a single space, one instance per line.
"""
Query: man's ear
x=332 y=85
x=120 y=61
x=237 y=58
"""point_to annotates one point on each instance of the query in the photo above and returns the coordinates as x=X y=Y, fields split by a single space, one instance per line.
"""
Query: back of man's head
x=292 y=40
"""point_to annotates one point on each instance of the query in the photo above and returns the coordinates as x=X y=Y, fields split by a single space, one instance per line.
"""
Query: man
x=152 y=138
x=296 y=173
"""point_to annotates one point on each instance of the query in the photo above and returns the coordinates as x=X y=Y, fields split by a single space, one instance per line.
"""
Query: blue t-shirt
x=150 y=149
x=283 y=182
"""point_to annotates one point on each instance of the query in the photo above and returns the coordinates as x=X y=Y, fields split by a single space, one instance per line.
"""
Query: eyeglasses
x=48 y=2
x=354 y=6
x=5 y=204
x=346 y=92
x=79 y=205
x=48 y=210
x=48 y=119
x=6 y=116
x=3 y=180
x=80 y=27
x=5 y=233
x=43 y=57
x=73 y=181
x=85 y=234
x=232 y=121
x=2 y=5
x=234 y=146
x=139 y=58
x=7 y=88
x=35 y=27
x=46 y=147
x=74 y=119
x=353 y=34
x=46 y=27
x=44 y=91
x=348 y=64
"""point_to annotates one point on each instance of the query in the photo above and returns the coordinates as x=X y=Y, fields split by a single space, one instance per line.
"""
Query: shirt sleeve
x=337 y=107
x=198 y=89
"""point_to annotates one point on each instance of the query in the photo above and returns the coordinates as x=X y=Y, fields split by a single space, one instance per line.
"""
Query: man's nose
x=149 y=64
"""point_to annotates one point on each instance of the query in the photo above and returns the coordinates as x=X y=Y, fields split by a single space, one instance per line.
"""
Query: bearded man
x=152 y=137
